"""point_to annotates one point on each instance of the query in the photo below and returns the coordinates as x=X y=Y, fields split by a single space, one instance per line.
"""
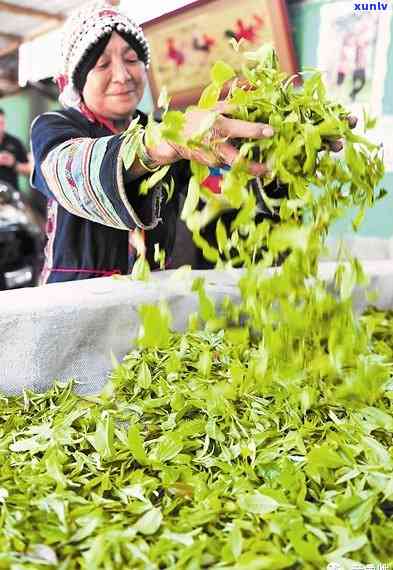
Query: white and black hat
x=84 y=38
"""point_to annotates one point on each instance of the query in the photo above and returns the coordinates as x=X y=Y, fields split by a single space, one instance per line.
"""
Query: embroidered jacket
x=93 y=208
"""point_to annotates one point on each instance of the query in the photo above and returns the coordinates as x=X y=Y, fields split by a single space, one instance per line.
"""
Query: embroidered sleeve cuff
x=86 y=176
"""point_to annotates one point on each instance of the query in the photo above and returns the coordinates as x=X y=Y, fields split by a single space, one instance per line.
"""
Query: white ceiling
x=23 y=20
x=32 y=27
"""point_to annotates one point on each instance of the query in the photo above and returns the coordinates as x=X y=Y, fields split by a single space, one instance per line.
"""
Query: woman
x=96 y=218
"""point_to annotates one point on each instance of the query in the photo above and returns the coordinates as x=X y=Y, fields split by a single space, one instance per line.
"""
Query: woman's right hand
x=215 y=150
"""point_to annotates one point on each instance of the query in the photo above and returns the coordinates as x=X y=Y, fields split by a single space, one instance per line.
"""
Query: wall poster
x=186 y=43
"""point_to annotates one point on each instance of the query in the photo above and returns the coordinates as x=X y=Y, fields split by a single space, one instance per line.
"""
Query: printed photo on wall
x=353 y=48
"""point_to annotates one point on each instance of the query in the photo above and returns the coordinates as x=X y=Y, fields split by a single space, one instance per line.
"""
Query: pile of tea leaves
x=216 y=448
x=260 y=437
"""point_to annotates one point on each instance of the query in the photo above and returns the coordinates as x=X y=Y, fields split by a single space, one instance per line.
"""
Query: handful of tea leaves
x=320 y=184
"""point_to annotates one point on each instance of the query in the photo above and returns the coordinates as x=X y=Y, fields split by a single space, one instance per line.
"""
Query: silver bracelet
x=144 y=157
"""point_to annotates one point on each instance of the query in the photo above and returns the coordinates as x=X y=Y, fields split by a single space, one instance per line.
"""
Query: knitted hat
x=81 y=33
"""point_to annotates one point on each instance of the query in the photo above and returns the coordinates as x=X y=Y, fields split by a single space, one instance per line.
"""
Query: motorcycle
x=21 y=242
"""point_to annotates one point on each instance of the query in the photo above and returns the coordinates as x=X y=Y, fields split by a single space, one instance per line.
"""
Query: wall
x=305 y=19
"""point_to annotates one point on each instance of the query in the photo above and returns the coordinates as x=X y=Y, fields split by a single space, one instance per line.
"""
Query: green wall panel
x=305 y=27
x=17 y=110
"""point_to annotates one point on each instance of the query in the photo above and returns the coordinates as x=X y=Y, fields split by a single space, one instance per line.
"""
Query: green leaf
x=287 y=237
x=204 y=363
x=257 y=503
x=135 y=444
x=206 y=305
x=141 y=270
x=192 y=199
x=103 y=438
x=210 y=96
x=221 y=235
x=169 y=447
x=221 y=72
x=155 y=326
x=358 y=219
x=368 y=121
x=312 y=141
x=144 y=376
x=321 y=457
x=153 y=180
x=236 y=541
x=150 y=522
x=172 y=126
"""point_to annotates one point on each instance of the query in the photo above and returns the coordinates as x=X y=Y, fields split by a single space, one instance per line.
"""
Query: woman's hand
x=215 y=148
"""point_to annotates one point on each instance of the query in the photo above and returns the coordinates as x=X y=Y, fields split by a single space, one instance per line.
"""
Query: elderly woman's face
x=115 y=85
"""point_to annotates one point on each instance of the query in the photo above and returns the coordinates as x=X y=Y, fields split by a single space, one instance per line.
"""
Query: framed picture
x=185 y=43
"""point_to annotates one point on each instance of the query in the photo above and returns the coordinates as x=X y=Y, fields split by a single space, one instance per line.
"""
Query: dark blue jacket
x=93 y=210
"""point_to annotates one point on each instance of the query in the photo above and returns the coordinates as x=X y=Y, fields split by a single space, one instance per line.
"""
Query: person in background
x=97 y=220
x=13 y=156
